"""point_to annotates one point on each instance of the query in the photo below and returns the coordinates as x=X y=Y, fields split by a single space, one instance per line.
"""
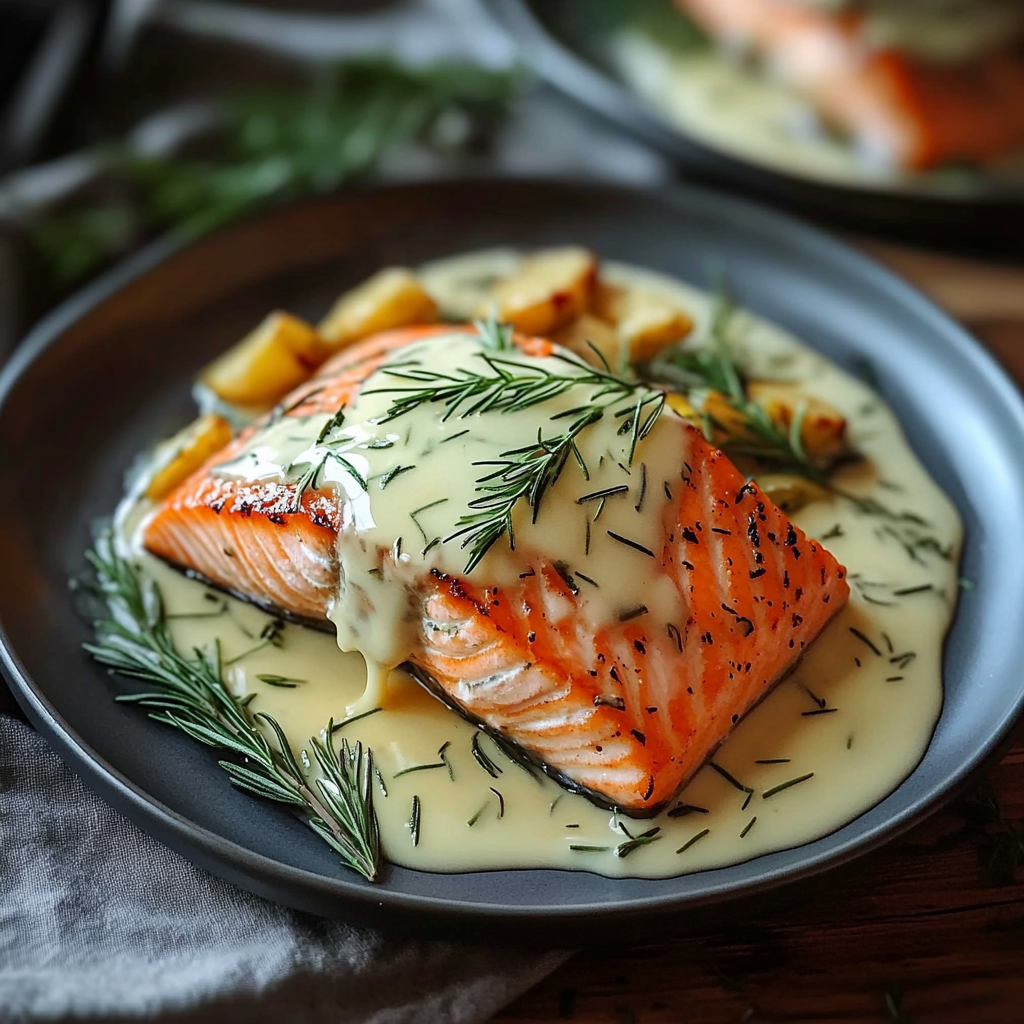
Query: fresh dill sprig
x=133 y=639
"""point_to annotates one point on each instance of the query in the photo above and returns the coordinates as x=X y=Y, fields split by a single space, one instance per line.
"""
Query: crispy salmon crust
x=623 y=713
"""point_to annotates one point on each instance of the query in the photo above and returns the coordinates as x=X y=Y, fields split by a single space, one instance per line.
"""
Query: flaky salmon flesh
x=626 y=712
x=919 y=113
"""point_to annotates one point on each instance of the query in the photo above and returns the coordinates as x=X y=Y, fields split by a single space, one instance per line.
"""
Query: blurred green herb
x=274 y=145
x=894 y=1012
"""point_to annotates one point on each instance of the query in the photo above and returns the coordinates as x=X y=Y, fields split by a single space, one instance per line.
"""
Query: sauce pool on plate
x=851 y=721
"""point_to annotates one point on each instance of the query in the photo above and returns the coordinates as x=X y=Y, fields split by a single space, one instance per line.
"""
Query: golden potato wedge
x=391 y=298
x=789 y=491
x=606 y=301
x=266 y=364
x=715 y=409
x=184 y=453
x=587 y=328
x=726 y=420
x=681 y=404
x=550 y=289
x=648 y=322
x=823 y=431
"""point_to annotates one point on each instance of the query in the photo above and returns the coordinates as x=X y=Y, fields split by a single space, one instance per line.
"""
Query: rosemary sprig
x=494 y=335
x=523 y=473
x=652 y=835
x=133 y=639
x=713 y=367
x=272 y=145
x=307 y=479
x=511 y=386
x=508 y=385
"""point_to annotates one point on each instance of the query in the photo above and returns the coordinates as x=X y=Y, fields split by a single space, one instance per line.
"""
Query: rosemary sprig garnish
x=190 y=695
x=494 y=335
x=522 y=473
x=733 y=782
x=652 y=835
x=506 y=385
x=419 y=768
x=786 y=785
x=283 y=682
x=275 y=144
x=511 y=386
x=413 y=824
x=307 y=479
x=355 y=718
x=713 y=367
x=682 y=810
x=694 y=839
x=482 y=759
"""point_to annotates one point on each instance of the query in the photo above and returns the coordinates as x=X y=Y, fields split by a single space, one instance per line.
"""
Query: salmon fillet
x=620 y=711
x=920 y=114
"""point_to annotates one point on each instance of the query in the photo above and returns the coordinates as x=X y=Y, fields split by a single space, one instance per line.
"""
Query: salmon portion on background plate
x=915 y=109
x=625 y=709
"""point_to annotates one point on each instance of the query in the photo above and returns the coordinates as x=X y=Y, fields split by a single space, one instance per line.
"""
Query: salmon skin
x=919 y=113
x=621 y=711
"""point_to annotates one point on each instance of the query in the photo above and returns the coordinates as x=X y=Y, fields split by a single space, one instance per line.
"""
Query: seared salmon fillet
x=624 y=710
x=920 y=113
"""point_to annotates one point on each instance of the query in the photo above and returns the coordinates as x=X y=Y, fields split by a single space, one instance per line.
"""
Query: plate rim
x=601 y=93
x=119 y=790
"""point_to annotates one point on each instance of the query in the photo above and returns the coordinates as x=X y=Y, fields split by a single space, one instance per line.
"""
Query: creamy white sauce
x=886 y=705
x=737 y=108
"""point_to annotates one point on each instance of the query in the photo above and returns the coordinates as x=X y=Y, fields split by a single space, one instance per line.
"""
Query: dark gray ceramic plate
x=109 y=373
x=562 y=40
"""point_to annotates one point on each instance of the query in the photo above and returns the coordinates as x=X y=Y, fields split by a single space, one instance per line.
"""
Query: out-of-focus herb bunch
x=270 y=146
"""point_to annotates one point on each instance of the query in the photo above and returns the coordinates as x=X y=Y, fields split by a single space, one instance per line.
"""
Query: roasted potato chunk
x=724 y=420
x=789 y=491
x=184 y=453
x=823 y=431
x=391 y=298
x=648 y=322
x=586 y=331
x=266 y=364
x=682 y=405
x=550 y=289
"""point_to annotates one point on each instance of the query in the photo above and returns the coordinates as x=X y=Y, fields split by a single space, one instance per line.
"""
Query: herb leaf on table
x=273 y=145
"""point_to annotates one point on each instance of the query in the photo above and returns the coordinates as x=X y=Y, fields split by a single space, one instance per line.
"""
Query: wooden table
x=929 y=929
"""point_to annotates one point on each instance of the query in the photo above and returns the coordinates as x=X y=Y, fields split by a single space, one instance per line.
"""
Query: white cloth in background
x=98 y=921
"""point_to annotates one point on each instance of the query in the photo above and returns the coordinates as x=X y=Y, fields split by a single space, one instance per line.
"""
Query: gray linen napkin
x=99 y=921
